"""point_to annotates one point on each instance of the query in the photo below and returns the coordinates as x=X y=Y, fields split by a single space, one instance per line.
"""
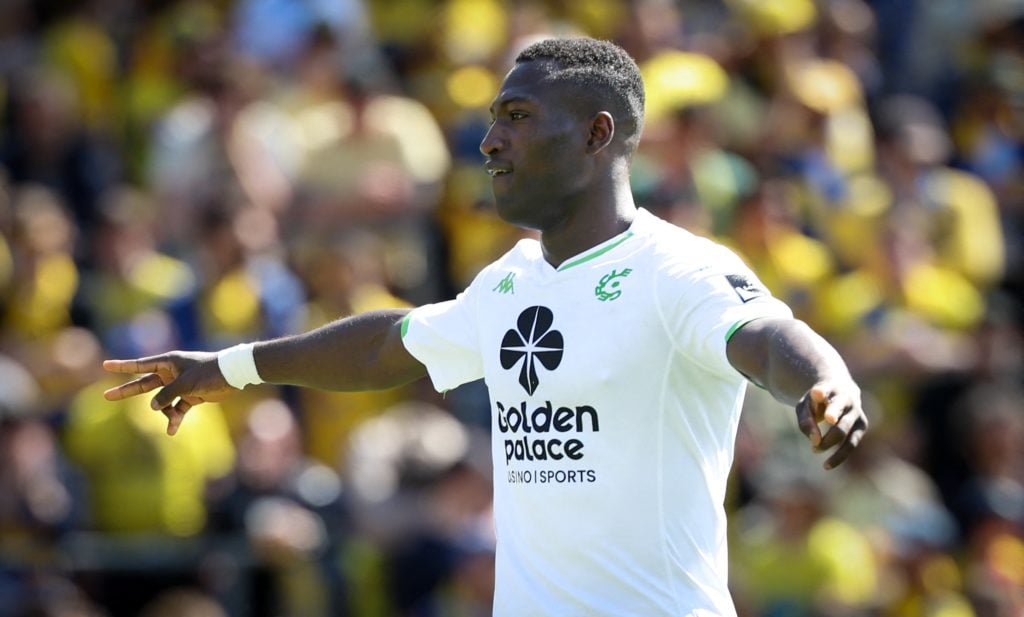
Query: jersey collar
x=608 y=245
x=596 y=251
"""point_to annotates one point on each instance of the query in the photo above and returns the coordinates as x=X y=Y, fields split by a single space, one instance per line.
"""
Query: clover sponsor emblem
x=530 y=342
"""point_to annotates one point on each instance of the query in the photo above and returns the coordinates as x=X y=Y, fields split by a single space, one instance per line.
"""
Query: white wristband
x=238 y=366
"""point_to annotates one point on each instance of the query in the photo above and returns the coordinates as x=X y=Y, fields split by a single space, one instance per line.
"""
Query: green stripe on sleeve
x=728 y=335
x=405 y=323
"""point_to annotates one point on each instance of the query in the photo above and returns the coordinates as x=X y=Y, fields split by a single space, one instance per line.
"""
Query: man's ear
x=602 y=130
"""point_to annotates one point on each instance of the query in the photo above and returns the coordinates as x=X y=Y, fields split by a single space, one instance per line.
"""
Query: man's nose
x=492 y=141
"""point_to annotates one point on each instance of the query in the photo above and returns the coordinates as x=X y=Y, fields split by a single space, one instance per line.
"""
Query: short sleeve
x=702 y=307
x=445 y=338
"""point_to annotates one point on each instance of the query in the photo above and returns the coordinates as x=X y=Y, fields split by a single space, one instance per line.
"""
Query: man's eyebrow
x=505 y=102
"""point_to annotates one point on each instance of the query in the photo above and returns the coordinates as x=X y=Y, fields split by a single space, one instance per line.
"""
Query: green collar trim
x=596 y=253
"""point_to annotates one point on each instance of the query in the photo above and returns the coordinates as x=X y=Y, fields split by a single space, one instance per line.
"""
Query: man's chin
x=506 y=211
x=513 y=214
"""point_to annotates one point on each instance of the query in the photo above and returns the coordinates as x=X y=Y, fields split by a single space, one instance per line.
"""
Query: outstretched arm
x=799 y=368
x=364 y=352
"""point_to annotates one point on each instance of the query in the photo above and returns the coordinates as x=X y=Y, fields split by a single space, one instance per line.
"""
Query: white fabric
x=609 y=496
x=238 y=366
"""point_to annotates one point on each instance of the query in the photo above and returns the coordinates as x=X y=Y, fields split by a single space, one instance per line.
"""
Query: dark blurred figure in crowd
x=183 y=602
x=990 y=503
x=421 y=493
x=131 y=280
x=41 y=498
x=290 y=510
x=45 y=143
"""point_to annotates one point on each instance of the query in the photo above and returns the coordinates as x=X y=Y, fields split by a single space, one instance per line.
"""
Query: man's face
x=536 y=149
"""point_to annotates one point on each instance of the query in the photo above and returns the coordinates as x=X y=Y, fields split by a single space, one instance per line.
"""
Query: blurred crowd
x=192 y=174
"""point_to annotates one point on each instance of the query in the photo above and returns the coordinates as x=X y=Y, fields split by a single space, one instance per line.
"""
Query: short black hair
x=604 y=71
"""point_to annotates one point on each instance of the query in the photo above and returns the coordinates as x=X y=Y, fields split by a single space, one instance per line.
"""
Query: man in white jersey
x=615 y=351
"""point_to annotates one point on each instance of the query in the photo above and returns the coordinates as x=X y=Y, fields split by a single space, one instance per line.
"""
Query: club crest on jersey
x=532 y=341
x=608 y=287
x=745 y=288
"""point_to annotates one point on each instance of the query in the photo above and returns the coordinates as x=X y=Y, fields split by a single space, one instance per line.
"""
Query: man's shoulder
x=521 y=255
x=679 y=250
x=511 y=264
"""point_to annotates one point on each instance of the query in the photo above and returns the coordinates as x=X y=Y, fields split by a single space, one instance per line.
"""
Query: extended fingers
x=847 y=430
x=806 y=420
x=835 y=407
x=150 y=364
x=165 y=397
x=837 y=434
x=851 y=442
x=838 y=405
x=176 y=413
x=134 y=387
x=812 y=409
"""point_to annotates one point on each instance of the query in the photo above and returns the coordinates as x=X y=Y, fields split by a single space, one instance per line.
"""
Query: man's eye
x=517 y=115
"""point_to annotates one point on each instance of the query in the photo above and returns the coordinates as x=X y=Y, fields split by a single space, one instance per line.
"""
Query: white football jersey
x=614 y=417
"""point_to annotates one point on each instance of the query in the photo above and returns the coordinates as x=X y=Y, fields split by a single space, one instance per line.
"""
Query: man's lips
x=495 y=168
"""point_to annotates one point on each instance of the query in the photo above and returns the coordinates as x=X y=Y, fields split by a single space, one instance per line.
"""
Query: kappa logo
x=532 y=341
x=745 y=288
x=505 y=285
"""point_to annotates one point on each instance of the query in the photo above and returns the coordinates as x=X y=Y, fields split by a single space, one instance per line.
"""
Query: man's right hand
x=187 y=379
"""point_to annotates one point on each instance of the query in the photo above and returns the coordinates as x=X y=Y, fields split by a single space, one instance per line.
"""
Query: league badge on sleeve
x=746 y=288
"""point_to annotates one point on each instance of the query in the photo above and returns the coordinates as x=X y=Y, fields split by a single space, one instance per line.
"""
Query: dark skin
x=566 y=174
x=568 y=170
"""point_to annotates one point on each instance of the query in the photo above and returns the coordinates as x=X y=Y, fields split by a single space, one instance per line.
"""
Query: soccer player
x=615 y=350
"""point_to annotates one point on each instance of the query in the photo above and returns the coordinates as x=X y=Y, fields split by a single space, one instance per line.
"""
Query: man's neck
x=585 y=227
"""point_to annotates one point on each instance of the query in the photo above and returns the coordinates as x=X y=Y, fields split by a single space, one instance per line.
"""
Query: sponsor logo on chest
x=535 y=432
